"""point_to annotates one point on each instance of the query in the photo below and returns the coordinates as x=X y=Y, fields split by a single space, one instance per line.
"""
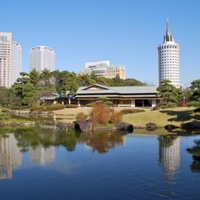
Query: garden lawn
x=175 y=116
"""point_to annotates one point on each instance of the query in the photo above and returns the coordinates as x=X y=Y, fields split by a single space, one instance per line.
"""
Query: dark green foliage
x=104 y=100
x=133 y=110
x=67 y=85
x=195 y=97
x=132 y=82
x=71 y=106
x=166 y=141
x=195 y=151
x=4 y=115
x=171 y=96
x=30 y=88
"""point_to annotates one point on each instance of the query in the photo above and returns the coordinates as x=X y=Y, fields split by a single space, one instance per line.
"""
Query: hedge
x=134 y=110
x=71 y=106
x=48 y=108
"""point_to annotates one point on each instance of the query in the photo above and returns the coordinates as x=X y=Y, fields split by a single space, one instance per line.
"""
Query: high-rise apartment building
x=103 y=68
x=42 y=57
x=168 y=59
x=10 y=60
x=16 y=61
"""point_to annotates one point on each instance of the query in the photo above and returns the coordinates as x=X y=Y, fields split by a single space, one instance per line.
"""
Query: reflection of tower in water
x=42 y=155
x=10 y=156
x=169 y=155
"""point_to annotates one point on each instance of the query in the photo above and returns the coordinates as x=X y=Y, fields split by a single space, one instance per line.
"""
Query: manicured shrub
x=115 y=117
x=81 y=116
x=100 y=114
x=103 y=114
x=104 y=100
x=134 y=110
x=164 y=106
x=89 y=105
x=48 y=108
x=71 y=106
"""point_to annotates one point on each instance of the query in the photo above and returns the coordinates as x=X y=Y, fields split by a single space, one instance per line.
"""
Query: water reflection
x=36 y=138
x=10 y=156
x=42 y=155
x=195 y=151
x=169 y=155
x=141 y=166
x=102 y=142
x=41 y=142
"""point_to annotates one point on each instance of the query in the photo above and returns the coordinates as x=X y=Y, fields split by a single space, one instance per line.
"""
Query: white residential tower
x=42 y=57
x=168 y=59
x=16 y=61
x=10 y=60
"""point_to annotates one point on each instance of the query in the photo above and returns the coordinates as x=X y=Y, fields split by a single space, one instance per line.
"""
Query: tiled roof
x=117 y=90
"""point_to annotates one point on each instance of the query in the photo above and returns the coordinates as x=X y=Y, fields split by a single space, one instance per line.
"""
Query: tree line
x=29 y=88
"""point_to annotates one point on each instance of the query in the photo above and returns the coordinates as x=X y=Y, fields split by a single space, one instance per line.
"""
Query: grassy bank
x=175 y=116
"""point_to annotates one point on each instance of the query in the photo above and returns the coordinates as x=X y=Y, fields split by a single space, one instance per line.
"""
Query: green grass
x=175 y=116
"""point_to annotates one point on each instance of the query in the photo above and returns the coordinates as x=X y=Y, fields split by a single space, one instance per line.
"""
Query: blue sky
x=126 y=32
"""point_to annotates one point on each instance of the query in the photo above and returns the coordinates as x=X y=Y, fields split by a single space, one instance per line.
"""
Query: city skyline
x=126 y=32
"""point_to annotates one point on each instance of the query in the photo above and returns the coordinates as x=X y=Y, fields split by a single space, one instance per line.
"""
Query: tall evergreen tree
x=169 y=93
x=195 y=98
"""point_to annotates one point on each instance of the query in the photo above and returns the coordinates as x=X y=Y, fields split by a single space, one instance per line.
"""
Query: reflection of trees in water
x=38 y=136
x=166 y=140
x=33 y=136
x=102 y=142
x=195 y=151
x=66 y=138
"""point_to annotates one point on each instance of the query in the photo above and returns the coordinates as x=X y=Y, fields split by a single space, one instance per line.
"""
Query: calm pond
x=44 y=163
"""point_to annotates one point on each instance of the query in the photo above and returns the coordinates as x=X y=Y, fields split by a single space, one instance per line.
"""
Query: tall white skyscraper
x=42 y=57
x=16 y=61
x=10 y=60
x=168 y=59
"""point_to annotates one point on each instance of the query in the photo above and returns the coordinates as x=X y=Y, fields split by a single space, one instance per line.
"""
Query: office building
x=168 y=59
x=103 y=68
x=42 y=57
x=16 y=61
x=10 y=60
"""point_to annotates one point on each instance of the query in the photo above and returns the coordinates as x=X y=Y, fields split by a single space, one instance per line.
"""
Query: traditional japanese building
x=129 y=96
